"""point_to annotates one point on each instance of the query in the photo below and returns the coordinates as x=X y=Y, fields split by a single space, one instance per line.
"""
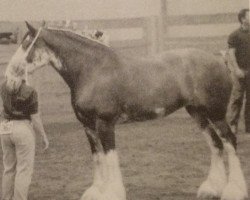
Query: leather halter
x=27 y=52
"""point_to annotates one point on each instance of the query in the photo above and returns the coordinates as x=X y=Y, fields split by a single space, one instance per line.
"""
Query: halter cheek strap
x=33 y=42
x=27 y=52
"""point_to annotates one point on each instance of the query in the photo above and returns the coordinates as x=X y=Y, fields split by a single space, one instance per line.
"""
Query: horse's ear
x=31 y=29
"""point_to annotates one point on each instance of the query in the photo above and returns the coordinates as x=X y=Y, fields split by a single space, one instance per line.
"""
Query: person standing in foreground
x=239 y=64
x=20 y=120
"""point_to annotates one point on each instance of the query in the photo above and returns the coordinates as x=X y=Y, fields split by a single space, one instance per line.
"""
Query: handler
x=20 y=120
x=239 y=62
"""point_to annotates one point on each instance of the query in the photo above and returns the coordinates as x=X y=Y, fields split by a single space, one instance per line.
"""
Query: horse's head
x=33 y=52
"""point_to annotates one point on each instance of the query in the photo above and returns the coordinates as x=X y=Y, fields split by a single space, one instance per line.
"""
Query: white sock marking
x=107 y=182
x=216 y=180
x=236 y=188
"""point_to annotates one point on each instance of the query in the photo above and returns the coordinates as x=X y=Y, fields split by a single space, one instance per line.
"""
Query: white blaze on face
x=18 y=60
x=42 y=57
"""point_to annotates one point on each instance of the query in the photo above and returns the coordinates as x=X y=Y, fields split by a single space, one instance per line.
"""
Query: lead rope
x=27 y=52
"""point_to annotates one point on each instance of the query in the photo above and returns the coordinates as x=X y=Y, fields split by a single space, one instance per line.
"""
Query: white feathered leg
x=95 y=192
x=236 y=188
x=216 y=180
x=115 y=187
x=107 y=184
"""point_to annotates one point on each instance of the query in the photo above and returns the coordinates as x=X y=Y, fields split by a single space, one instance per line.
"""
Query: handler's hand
x=239 y=73
x=46 y=143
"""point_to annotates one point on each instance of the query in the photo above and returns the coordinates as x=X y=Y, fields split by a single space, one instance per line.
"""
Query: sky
x=18 y=10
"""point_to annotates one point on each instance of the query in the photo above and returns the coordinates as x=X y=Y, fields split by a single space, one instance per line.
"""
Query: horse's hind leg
x=216 y=181
x=236 y=187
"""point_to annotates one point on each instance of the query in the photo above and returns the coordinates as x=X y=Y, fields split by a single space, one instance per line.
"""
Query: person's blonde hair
x=14 y=77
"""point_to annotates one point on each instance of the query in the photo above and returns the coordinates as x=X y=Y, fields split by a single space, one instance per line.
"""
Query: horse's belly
x=153 y=102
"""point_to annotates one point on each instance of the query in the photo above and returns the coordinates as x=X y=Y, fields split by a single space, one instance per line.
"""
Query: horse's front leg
x=97 y=188
x=113 y=179
x=107 y=184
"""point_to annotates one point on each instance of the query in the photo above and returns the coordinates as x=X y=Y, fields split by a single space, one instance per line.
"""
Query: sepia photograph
x=124 y=99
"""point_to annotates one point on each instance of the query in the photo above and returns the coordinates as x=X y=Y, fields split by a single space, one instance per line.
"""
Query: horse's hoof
x=115 y=193
x=93 y=193
x=208 y=191
x=105 y=193
x=234 y=192
x=110 y=195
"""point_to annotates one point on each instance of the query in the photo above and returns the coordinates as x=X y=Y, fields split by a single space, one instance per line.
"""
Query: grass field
x=164 y=159
x=160 y=159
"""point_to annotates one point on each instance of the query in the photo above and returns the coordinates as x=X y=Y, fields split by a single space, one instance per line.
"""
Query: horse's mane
x=78 y=37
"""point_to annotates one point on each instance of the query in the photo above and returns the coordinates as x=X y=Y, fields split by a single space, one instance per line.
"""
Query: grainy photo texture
x=124 y=99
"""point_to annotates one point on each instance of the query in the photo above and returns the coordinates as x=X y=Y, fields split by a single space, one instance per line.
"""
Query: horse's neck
x=72 y=63
x=80 y=57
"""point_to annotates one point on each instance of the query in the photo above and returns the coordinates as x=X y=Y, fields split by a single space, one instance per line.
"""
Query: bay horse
x=104 y=84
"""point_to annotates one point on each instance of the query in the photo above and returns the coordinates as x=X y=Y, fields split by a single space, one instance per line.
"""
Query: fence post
x=152 y=35
x=162 y=25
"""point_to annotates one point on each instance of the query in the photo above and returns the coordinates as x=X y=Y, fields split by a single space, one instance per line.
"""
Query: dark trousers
x=241 y=87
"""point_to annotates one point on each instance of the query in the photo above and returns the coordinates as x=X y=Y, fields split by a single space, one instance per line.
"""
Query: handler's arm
x=233 y=65
x=38 y=127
